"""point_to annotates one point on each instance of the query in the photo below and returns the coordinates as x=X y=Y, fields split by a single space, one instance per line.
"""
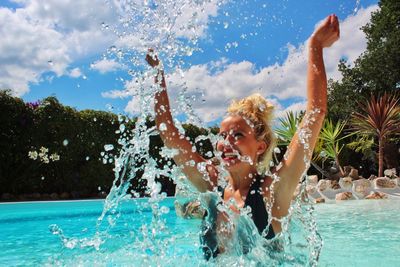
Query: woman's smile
x=239 y=143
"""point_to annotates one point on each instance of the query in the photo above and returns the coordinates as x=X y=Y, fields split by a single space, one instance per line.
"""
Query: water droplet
x=191 y=163
x=163 y=127
x=112 y=48
x=164 y=209
x=120 y=118
x=108 y=147
x=104 y=25
x=54 y=229
x=109 y=107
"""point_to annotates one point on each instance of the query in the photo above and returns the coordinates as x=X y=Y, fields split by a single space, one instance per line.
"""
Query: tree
x=342 y=95
x=375 y=70
x=380 y=64
x=379 y=118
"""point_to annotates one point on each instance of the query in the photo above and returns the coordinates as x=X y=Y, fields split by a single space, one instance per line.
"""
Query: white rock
x=361 y=188
x=311 y=189
x=312 y=180
x=346 y=182
x=384 y=182
x=344 y=196
x=397 y=181
x=390 y=172
x=376 y=195
x=324 y=185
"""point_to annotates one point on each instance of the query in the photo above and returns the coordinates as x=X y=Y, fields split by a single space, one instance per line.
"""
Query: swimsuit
x=259 y=214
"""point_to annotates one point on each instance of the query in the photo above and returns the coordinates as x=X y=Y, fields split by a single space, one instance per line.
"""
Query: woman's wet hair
x=258 y=112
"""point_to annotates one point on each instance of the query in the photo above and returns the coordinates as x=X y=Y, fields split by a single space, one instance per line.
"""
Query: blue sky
x=64 y=48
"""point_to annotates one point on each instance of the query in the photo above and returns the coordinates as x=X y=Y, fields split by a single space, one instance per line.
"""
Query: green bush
x=78 y=139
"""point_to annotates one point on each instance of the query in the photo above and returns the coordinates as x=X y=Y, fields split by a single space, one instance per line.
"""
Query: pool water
x=354 y=233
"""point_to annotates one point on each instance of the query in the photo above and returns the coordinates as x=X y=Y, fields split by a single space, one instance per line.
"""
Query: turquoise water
x=355 y=233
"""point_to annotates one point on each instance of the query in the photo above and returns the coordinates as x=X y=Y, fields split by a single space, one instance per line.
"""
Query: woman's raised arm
x=301 y=147
x=185 y=158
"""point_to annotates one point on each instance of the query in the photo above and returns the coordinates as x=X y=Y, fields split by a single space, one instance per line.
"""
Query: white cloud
x=295 y=107
x=75 y=73
x=27 y=50
x=116 y=94
x=106 y=65
x=47 y=36
x=218 y=86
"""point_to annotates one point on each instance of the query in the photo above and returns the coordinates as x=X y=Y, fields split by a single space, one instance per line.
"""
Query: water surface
x=355 y=233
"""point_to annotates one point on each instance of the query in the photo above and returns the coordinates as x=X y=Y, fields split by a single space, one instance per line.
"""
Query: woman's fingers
x=335 y=25
x=328 y=32
x=332 y=19
x=337 y=28
x=152 y=58
x=327 y=21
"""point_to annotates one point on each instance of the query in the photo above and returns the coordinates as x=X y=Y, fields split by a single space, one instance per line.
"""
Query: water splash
x=357 y=7
x=173 y=29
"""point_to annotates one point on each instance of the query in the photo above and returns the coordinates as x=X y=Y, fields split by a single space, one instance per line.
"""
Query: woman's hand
x=152 y=58
x=327 y=33
x=155 y=63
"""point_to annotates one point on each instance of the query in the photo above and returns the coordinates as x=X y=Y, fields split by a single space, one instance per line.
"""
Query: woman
x=246 y=147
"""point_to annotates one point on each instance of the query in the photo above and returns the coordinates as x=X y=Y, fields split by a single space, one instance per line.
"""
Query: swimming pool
x=355 y=233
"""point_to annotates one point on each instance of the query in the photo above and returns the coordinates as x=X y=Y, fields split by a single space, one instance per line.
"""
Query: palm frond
x=288 y=127
x=331 y=135
x=378 y=117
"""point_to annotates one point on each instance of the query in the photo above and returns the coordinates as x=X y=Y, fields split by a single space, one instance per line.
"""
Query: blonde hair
x=258 y=112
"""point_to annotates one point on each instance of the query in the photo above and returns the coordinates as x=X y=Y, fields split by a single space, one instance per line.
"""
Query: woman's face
x=239 y=145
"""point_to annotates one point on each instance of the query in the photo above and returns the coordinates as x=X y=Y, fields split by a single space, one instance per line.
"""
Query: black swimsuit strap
x=255 y=200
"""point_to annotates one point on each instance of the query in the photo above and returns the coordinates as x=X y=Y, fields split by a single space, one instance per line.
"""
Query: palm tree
x=330 y=137
x=379 y=118
x=288 y=127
